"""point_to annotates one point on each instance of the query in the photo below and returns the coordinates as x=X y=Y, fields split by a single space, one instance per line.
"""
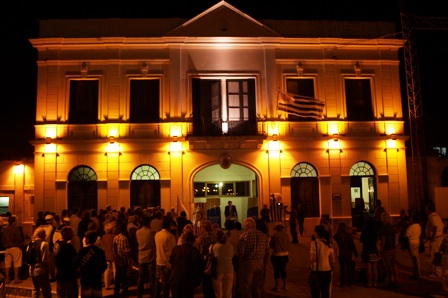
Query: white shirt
x=323 y=257
x=165 y=242
x=413 y=233
x=434 y=220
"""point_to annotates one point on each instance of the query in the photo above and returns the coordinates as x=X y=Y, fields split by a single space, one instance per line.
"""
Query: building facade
x=184 y=114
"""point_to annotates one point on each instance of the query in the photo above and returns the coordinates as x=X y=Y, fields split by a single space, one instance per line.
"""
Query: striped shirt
x=253 y=244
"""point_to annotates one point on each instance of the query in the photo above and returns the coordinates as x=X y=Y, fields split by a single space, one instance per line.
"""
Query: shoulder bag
x=211 y=263
x=313 y=278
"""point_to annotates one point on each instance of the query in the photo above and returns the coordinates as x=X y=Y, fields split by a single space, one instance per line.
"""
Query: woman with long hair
x=346 y=250
x=322 y=260
x=223 y=251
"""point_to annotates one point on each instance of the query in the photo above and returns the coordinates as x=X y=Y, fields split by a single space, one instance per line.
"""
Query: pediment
x=223 y=19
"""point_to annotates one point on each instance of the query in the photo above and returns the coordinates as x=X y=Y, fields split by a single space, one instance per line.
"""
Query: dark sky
x=19 y=21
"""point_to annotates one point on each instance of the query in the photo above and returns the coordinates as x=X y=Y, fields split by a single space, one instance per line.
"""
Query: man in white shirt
x=413 y=233
x=165 y=242
x=434 y=233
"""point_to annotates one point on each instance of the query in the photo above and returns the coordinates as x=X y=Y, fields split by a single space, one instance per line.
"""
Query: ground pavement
x=297 y=270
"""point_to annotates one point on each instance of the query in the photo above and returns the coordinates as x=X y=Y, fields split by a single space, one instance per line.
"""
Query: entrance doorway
x=362 y=192
x=215 y=186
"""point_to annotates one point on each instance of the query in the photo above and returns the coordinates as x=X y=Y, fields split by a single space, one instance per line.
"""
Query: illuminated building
x=178 y=113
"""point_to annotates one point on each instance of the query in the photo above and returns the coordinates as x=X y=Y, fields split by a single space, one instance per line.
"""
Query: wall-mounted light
x=112 y=148
x=19 y=169
x=334 y=144
x=274 y=146
x=175 y=147
x=391 y=144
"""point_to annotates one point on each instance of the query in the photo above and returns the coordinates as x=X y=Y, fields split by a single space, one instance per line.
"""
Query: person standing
x=206 y=239
x=279 y=244
x=322 y=260
x=252 y=251
x=122 y=255
x=65 y=253
x=12 y=240
x=91 y=261
x=388 y=250
x=186 y=268
x=293 y=224
x=39 y=267
x=165 y=243
x=108 y=242
x=223 y=252
x=413 y=233
x=74 y=223
x=434 y=233
x=265 y=214
x=146 y=256
x=182 y=221
x=346 y=251
x=230 y=212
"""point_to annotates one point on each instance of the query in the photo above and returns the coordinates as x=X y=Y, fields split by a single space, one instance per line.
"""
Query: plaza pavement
x=297 y=270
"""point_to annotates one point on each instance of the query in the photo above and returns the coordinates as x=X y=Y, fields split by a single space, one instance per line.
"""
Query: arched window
x=82 y=188
x=305 y=189
x=303 y=169
x=82 y=173
x=145 y=172
x=145 y=187
x=362 y=168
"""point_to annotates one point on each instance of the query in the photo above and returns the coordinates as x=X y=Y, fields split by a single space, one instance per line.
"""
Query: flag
x=301 y=106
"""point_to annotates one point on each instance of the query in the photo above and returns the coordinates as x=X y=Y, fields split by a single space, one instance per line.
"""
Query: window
x=300 y=86
x=224 y=106
x=358 y=97
x=83 y=102
x=208 y=189
x=144 y=101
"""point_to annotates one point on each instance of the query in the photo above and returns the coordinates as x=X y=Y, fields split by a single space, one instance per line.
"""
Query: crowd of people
x=164 y=254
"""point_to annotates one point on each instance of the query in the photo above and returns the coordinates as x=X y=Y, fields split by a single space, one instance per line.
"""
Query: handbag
x=313 y=278
x=211 y=263
x=437 y=261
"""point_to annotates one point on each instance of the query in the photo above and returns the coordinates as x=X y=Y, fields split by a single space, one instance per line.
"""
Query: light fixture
x=113 y=148
x=334 y=144
x=391 y=144
x=19 y=168
x=274 y=146
x=175 y=147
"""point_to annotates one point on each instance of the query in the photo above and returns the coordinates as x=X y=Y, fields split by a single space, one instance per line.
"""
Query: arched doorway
x=82 y=188
x=215 y=185
x=145 y=187
x=305 y=189
x=362 y=191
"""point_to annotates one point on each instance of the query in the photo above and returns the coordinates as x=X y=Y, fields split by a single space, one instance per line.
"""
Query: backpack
x=33 y=254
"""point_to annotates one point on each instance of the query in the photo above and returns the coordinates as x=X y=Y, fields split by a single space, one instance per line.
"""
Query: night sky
x=19 y=21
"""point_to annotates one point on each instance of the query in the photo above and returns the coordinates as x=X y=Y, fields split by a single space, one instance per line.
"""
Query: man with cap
x=57 y=233
x=49 y=231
